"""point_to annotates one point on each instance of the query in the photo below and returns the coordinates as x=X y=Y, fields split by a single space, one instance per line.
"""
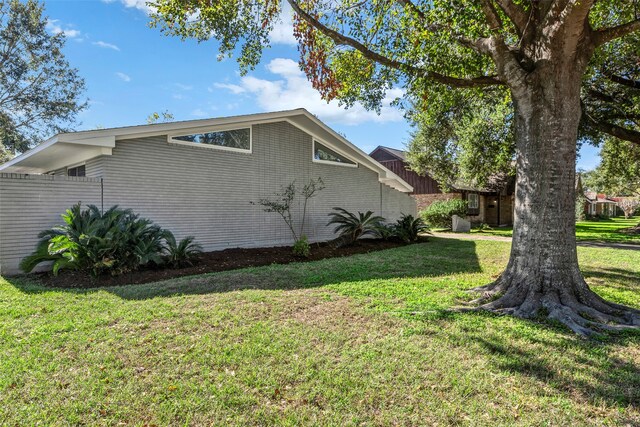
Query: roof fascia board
x=108 y=141
x=142 y=131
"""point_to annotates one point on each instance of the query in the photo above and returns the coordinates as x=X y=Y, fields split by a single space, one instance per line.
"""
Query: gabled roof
x=65 y=149
x=496 y=181
x=593 y=197
x=399 y=154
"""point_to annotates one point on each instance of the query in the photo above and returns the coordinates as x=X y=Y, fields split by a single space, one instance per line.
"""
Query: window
x=233 y=139
x=324 y=154
x=77 y=171
x=472 y=198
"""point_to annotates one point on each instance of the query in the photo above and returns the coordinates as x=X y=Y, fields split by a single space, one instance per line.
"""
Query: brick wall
x=30 y=204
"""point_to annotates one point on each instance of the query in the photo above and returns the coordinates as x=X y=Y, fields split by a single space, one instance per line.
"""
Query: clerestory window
x=233 y=139
x=324 y=154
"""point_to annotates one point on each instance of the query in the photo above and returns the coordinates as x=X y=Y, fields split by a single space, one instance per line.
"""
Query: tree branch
x=606 y=35
x=571 y=13
x=343 y=40
x=601 y=95
x=490 y=12
x=516 y=14
x=612 y=129
x=635 y=84
x=412 y=7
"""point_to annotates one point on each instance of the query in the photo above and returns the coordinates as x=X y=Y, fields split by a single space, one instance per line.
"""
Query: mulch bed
x=632 y=230
x=228 y=259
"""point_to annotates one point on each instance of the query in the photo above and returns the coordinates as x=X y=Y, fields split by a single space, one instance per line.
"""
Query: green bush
x=407 y=228
x=180 y=254
x=386 y=231
x=114 y=242
x=302 y=248
x=439 y=213
x=351 y=227
x=484 y=227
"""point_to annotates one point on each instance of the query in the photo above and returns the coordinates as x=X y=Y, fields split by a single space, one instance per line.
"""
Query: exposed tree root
x=568 y=301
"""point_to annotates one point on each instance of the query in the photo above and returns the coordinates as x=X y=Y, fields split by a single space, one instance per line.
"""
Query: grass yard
x=363 y=340
x=599 y=231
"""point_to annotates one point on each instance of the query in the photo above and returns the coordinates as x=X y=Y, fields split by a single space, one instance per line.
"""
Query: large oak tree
x=538 y=53
x=40 y=93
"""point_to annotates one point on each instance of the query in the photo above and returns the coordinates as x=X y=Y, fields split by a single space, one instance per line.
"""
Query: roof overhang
x=58 y=152
x=78 y=147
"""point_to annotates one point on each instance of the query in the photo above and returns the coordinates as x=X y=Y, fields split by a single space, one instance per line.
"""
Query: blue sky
x=132 y=70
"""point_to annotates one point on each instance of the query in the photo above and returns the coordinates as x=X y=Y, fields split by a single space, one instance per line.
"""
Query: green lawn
x=600 y=231
x=364 y=340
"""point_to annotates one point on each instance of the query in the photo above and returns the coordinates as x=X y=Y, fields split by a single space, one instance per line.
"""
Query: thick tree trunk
x=542 y=275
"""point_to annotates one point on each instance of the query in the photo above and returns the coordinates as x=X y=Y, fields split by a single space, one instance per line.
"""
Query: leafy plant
x=484 y=227
x=180 y=254
x=302 y=248
x=386 y=231
x=114 y=242
x=408 y=228
x=351 y=227
x=439 y=213
x=283 y=202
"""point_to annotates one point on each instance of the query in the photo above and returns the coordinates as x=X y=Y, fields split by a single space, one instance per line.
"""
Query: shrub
x=180 y=254
x=351 y=227
x=302 y=248
x=114 y=242
x=386 y=231
x=484 y=227
x=407 y=228
x=283 y=201
x=439 y=213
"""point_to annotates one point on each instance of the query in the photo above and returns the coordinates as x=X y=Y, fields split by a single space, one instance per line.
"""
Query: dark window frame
x=77 y=171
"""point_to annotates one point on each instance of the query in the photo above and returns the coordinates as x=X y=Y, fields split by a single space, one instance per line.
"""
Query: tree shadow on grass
x=542 y=352
x=615 y=277
x=581 y=368
x=438 y=257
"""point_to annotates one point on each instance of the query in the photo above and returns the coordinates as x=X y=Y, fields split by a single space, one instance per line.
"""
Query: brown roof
x=400 y=154
x=496 y=182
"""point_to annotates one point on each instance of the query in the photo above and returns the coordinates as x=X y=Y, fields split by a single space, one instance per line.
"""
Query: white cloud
x=136 y=4
x=291 y=90
x=123 y=77
x=234 y=89
x=282 y=32
x=54 y=27
x=198 y=112
x=183 y=86
x=106 y=45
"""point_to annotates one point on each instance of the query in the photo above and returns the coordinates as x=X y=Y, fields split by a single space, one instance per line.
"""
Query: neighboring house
x=196 y=178
x=485 y=206
x=600 y=204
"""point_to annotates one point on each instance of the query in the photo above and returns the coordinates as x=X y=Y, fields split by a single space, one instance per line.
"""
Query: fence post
x=102 y=196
